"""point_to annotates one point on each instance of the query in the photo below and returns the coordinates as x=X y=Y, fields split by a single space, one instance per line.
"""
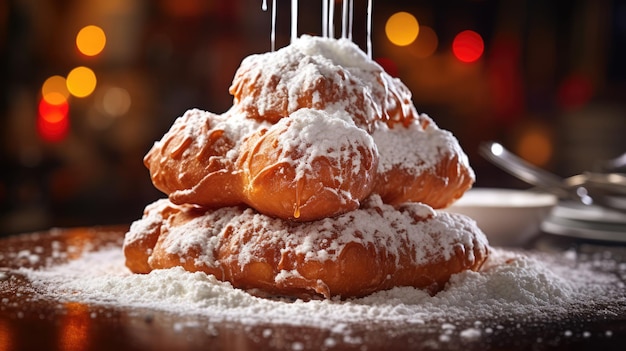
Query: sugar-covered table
x=32 y=320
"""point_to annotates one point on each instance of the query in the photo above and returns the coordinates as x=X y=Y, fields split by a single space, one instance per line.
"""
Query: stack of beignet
x=322 y=179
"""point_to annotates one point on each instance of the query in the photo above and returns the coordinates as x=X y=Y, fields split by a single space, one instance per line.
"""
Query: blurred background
x=87 y=86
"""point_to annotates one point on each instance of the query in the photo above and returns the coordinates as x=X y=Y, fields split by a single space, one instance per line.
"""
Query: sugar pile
x=528 y=285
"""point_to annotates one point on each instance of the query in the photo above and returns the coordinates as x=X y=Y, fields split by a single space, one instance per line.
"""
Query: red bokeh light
x=53 y=121
x=505 y=80
x=388 y=65
x=575 y=91
x=468 y=46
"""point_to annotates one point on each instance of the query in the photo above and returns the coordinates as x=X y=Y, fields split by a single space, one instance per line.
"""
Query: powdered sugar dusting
x=342 y=52
x=512 y=285
x=320 y=99
x=416 y=149
x=315 y=133
x=195 y=122
x=425 y=235
x=301 y=66
x=320 y=73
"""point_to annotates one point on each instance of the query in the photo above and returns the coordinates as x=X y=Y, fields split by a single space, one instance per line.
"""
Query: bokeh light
x=426 y=43
x=505 y=79
x=75 y=326
x=81 y=81
x=53 y=121
x=468 y=46
x=54 y=90
x=402 y=28
x=575 y=91
x=388 y=65
x=116 y=101
x=535 y=146
x=6 y=332
x=91 y=40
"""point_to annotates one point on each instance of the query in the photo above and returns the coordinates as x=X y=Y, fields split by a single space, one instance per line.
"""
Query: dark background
x=550 y=86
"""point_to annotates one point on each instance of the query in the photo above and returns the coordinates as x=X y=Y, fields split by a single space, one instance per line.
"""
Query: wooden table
x=31 y=321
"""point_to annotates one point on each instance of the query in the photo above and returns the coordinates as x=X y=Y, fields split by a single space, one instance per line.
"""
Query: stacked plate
x=586 y=222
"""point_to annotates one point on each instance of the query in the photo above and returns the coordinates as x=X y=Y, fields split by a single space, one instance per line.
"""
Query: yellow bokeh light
x=81 y=81
x=91 y=40
x=54 y=90
x=402 y=28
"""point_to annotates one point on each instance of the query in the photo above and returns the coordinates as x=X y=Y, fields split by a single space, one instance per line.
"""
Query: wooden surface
x=31 y=321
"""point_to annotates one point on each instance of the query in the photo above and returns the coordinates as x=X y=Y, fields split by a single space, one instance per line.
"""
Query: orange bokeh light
x=74 y=327
x=54 y=90
x=402 y=28
x=81 y=81
x=91 y=40
x=6 y=336
x=535 y=146
x=426 y=43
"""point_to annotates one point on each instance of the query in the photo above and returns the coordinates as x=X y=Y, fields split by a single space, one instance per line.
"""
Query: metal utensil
x=615 y=165
x=612 y=183
x=588 y=188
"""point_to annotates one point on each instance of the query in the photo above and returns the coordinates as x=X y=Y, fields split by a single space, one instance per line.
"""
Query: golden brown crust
x=252 y=83
x=238 y=157
x=372 y=94
x=302 y=183
x=311 y=146
x=438 y=187
x=345 y=259
x=190 y=164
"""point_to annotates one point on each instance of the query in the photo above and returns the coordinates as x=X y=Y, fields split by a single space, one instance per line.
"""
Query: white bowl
x=508 y=217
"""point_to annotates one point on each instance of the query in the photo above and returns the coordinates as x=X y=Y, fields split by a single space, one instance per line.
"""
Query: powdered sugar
x=420 y=233
x=320 y=99
x=194 y=125
x=512 y=285
x=314 y=133
x=342 y=52
x=341 y=79
x=320 y=73
x=298 y=69
x=416 y=149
